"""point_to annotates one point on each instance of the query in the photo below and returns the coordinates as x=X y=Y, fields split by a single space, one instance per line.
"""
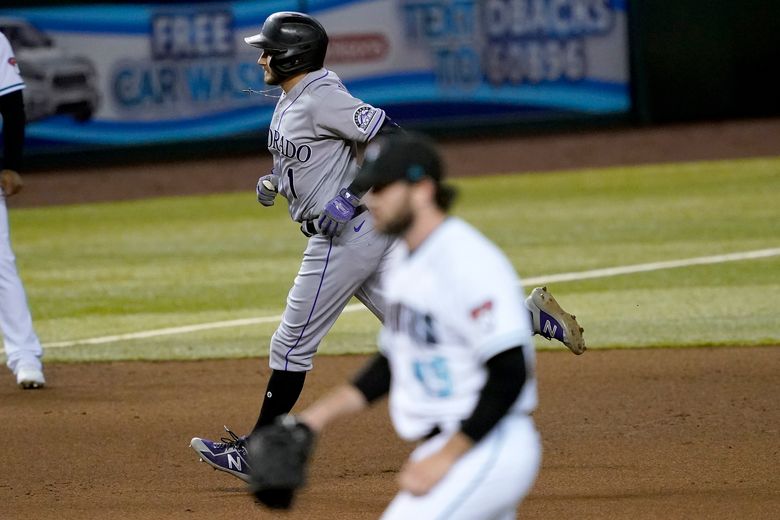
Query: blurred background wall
x=127 y=81
x=697 y=60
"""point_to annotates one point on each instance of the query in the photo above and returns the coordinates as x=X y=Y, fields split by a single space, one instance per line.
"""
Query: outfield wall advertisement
x=148 y=73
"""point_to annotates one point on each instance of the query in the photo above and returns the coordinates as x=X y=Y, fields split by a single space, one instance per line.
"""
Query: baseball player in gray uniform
x=316 y=135
x=456 y=355
x=22 y=347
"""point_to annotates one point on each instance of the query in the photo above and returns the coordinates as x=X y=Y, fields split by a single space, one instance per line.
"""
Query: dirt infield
x=673 y=434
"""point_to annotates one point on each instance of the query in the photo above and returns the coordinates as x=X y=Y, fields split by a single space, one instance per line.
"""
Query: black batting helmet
x=296 y=42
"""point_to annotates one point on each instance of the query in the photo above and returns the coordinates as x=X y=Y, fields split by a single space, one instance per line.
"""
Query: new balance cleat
x=228 y=455
x=552 y=322
x=29 y=378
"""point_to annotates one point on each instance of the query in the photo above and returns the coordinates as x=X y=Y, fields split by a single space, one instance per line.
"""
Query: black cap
x=402 y=156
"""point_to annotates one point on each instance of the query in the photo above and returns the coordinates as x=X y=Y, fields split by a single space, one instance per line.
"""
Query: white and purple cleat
x=552 y=322
x=228 y=455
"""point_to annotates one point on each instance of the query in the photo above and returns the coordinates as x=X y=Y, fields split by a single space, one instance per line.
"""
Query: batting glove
x=338 y=212
x=267 y=188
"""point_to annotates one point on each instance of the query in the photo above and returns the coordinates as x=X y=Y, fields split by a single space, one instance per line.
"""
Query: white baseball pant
x=486 y=483
x=21 y=343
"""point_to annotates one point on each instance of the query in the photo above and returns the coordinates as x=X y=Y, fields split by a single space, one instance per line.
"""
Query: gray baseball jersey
x=315 y=134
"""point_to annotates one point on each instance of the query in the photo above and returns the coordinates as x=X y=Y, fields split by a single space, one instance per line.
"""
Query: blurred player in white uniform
x=317 y=131
x=456 y=354
x=22 y=347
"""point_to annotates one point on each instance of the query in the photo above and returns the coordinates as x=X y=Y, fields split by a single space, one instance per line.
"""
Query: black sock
x=282 y=392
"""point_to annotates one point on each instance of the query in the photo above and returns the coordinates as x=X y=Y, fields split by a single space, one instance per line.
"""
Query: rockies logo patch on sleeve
x=363 y=117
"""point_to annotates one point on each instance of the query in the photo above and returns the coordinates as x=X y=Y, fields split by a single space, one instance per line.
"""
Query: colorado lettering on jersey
x=418 y=325
x=287 y=148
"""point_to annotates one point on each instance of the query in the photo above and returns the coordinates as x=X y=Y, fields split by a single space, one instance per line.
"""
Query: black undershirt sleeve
x=506 y=377
x=388 y=127
x=373 y=381
x=12 y=110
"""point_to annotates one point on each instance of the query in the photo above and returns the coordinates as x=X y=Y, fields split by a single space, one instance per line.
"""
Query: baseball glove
x=278 y=457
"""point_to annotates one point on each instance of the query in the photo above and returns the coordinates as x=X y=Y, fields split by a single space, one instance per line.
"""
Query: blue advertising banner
x=149 y=73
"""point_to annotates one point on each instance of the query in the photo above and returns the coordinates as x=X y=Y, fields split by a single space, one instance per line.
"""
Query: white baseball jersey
x=10 y=79
x=314 y=134
x=452 y=304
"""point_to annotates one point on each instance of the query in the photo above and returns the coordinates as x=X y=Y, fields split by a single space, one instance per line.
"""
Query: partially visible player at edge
x=455 y=351
x=316 y=134
x=22 y=347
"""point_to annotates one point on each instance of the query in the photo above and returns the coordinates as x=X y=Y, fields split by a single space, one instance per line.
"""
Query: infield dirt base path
x=646 y=434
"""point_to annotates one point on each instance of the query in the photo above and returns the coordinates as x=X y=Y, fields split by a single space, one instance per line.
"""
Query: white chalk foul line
x=552 y=278
x=652 y=266
x=167 y=331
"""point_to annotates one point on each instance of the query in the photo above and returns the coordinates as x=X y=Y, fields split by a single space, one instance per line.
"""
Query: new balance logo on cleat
x=549 y=330
x=234 y=462
x=228 y=455
x=552 y=322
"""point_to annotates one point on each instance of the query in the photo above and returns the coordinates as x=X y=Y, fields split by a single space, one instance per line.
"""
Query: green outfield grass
x=105 y=269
